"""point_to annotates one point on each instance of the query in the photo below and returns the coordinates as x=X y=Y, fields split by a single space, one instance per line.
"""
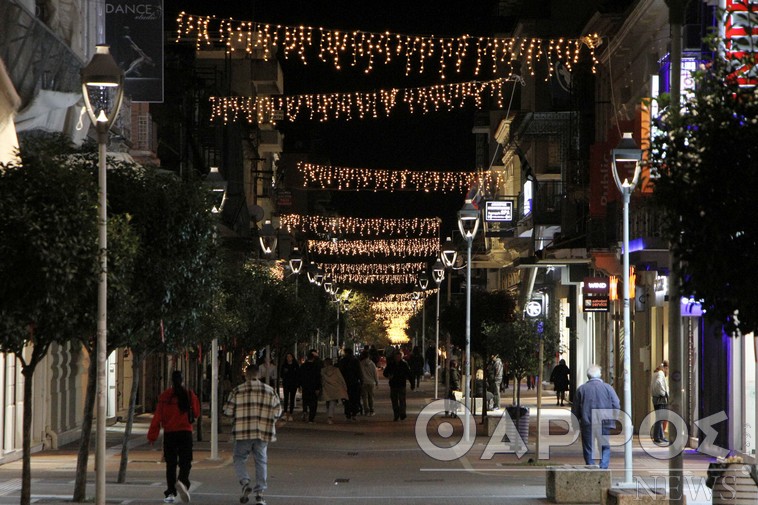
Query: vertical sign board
x=134 y=30
x=596 y=294
x=740 y=32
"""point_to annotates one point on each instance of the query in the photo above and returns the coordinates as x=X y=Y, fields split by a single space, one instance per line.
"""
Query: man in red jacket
x=177 y=409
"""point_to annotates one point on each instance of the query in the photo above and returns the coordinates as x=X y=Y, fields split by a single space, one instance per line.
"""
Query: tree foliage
x=707 y=158
x=517 y=343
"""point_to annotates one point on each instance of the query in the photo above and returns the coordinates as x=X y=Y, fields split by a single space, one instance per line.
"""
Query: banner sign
x=740 y=30
x=499 y=211
x=134 y=30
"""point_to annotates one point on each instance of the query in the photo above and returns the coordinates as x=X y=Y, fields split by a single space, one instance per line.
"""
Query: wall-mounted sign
x=740 y=37
x=533 y=309
x=499 y=211
x=596 y=292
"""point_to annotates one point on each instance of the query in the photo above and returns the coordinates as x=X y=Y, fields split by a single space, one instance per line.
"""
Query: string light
x=394 y=248
x=411 y=268
x=365 y=179
x=364 y=50
x=362 y=105
x=392 y=310
x=361 y=227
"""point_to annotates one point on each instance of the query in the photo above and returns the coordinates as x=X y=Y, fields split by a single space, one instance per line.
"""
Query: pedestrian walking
x=254 y=407
x=416 y=363
x=351 y=372
x=369 y=382
x=398 y=372
x=310 y=385
x=454 y=384
x=660 y=392
x=560 y=379
x=495 y=379
x=590 y=396
x=333 y=388
x=431 y=360
x=176 y=411
x=290 y=374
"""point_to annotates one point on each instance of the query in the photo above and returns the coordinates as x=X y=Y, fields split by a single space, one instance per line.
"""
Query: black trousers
x=310 y=404
x=288 y=403
x=177 y=451
x=353 y=403
x=397 y=396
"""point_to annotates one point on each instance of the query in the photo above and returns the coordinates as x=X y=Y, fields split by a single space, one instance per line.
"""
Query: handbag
x=661 y=400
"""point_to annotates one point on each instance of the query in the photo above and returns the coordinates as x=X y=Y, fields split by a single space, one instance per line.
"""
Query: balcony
x=267 y=76
x=35 y=58
x=270 y=142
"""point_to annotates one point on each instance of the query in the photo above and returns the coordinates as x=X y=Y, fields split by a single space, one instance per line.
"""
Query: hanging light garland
x=392 y=279
x=411 y=268
x=366 y=179
x=392 y=310
x=393 y=248
x=405 y=297
x=361 y=49
x=361 y=227
x=347 y=106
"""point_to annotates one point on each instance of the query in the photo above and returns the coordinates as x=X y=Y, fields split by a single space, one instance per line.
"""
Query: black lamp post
x=438 y=274
x=468 y=224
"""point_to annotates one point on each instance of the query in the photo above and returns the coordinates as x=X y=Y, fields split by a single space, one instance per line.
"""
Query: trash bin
x=520 y=417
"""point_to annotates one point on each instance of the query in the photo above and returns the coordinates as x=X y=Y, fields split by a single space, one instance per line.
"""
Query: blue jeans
x=242 y=449
x=605 y=448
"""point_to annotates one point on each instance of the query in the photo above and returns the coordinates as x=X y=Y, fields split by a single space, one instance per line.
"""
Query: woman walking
x=290 y=374
x=333 y=388
x=560 y=380
x=177 y=409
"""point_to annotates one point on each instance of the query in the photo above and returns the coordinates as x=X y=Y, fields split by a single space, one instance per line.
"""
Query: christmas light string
x=366 y=179
x=362 y=105
x=394 y=248
x=364 y=50
x=361 y=227
x=408 y=268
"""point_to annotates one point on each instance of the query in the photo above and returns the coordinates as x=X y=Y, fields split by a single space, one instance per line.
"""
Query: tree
x=517 y=342
x=362 y=321
x=48 y=260
x=707 y=160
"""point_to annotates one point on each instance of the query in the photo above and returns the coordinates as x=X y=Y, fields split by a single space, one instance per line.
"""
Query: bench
x=576 y=483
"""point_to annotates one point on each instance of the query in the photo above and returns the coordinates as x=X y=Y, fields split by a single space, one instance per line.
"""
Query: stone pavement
x=370 y=460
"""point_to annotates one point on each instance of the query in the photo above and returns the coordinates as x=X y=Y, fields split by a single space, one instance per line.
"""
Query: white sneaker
x=259 y=500
x=181 y=489
x=169 y=499
x=246 y=490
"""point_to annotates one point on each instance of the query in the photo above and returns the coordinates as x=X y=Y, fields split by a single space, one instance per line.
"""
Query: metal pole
x=467 y=384
x=423 y=325
x=626 y=192
x=102 y=314
x=539 y=392
x=437 y=350
x=214 y=399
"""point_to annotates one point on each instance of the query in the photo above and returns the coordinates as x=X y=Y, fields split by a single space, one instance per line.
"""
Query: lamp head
x=102 y=87
x=268 y=237
x=449 y=254
x=423 y=280
x=311 y=270
x=438 y=272
x=296 y=261
x=319 y=277
x=626 y=151
x=468 y=220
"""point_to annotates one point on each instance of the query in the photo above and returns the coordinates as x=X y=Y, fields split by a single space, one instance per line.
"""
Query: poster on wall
x=134 y=30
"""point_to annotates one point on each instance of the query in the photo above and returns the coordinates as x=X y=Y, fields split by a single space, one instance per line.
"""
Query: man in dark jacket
x=398 y=372
x=310 y=383
x=351 y=372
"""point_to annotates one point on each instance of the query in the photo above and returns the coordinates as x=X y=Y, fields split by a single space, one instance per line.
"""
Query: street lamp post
x=267 y=237
x=468 y=224
x=438 y=274
x=103 y=90
x=448 y=255
x=627 y=152
x=296 y=266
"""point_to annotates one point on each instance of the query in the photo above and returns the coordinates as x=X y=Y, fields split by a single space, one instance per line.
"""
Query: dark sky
x=438 y=141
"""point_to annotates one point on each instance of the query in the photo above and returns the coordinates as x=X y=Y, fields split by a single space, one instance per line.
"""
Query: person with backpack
x=176 y=411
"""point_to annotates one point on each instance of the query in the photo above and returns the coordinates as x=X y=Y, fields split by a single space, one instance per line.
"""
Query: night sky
x=437 y=141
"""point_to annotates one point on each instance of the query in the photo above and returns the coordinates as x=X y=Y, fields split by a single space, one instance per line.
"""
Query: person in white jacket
x=659 y=390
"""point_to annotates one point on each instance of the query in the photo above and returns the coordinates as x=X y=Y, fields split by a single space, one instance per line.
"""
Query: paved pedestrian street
x=371 y=460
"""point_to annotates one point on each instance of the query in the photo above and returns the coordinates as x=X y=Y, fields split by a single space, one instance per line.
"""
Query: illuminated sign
x=498 y=211
x=596 y=291
x=533 y=309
